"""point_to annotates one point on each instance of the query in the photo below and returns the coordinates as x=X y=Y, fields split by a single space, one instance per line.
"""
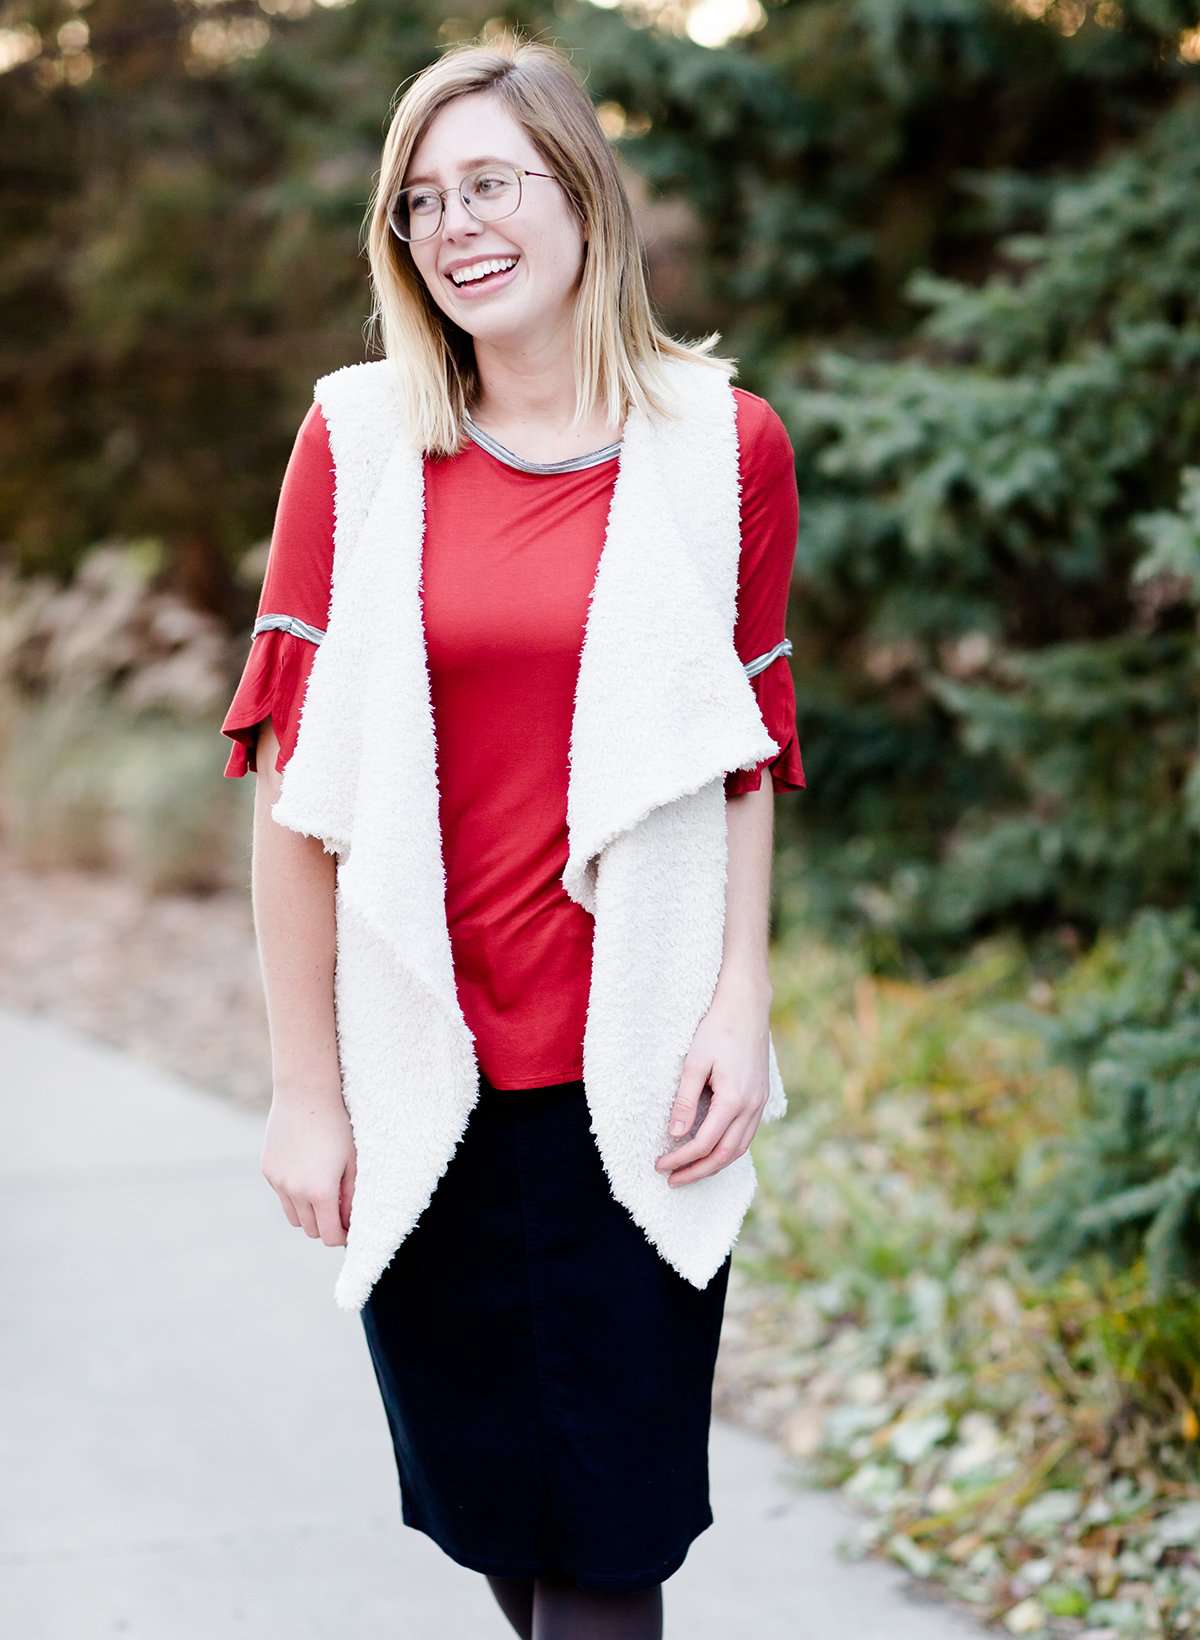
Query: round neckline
x=571 y=464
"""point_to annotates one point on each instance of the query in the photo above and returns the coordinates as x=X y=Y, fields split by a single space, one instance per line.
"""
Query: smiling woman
x=522 y=642
x=508 y=221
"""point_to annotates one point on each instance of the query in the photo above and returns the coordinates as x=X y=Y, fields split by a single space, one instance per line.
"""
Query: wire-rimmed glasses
x=489 y=193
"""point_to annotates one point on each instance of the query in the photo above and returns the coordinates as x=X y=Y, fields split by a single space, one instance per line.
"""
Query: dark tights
x=547 y=1609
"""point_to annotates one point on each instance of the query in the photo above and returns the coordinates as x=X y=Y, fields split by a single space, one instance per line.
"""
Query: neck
x=531 y=385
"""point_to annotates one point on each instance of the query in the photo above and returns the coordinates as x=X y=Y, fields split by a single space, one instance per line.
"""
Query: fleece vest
x=663 y=710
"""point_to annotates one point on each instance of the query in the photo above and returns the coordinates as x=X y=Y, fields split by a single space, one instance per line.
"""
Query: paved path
x=191 y=1439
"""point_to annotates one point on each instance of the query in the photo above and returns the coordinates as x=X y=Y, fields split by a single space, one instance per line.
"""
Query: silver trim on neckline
x=573 y=464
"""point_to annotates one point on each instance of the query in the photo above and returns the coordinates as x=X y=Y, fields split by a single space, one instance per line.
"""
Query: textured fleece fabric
x=663 y=710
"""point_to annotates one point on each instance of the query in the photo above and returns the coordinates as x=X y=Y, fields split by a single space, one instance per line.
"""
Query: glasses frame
x=520 y=171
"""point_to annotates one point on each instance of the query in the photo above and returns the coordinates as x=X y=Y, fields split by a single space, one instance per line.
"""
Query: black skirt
x=547 y=1376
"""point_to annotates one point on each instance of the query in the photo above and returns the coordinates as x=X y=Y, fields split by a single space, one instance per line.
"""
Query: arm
x=731 y=1047
x=730 y=1051
x=292 y=888
x=308 y=1153
x=750 y=821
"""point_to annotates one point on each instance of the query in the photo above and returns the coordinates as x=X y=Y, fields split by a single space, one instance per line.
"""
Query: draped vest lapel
x=663 y=709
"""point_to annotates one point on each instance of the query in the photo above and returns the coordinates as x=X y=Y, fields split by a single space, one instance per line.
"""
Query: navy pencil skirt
x=547 y=1377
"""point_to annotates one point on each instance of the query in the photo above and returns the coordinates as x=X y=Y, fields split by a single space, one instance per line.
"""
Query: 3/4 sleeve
x=293 y=606
x=770 y=519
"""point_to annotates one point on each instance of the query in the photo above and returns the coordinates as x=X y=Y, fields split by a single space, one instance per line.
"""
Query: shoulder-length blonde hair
x=617 y=342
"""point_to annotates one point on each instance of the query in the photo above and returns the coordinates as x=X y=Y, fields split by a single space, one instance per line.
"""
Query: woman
x=449 y=780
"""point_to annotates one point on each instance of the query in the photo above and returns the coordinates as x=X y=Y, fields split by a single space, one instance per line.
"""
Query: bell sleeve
x=770 y=520
x=293 y=604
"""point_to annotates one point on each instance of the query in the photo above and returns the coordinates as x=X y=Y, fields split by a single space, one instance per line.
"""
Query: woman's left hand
x=729 y=1053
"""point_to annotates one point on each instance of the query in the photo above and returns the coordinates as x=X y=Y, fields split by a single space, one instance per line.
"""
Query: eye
x=422 y=201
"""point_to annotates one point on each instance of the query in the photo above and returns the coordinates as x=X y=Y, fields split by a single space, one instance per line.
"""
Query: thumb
x=346 y=1199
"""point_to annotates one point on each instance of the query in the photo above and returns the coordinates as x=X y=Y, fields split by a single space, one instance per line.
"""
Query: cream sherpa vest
x=663 y=709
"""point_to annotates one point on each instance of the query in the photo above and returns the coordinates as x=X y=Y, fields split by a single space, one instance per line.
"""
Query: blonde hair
x=617 y=342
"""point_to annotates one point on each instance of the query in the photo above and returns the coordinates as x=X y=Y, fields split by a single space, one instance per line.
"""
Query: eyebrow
x=468 y=165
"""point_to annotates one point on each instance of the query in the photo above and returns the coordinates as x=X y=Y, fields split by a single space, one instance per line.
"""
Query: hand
x=309 y=1160
x=730 y=1053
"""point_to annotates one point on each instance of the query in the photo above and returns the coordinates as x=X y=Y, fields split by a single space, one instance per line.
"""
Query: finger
x=734 y=1143
x=288 y=1206
x=346 y=1200
x=742 y=1133
x=720 y=1114
x=692 y=1083
x=329 y=1219
x=728 y=1149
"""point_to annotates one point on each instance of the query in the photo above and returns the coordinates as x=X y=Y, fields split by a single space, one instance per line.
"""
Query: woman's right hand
x=309 y=1160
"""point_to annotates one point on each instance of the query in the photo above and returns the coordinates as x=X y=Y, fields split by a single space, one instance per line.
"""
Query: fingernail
x=677 y=1126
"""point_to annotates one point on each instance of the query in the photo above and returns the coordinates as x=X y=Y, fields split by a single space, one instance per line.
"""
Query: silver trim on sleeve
x=761 y=662
x=288 y=623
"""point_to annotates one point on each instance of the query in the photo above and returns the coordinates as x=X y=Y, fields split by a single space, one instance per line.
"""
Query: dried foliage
x=1030 y=1444
x=111 y=691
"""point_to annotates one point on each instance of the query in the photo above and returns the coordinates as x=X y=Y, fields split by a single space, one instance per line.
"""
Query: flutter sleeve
x=770 y=520
x=293 y=605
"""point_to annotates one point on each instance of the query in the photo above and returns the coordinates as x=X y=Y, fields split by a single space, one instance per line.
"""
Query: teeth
x=462 y=276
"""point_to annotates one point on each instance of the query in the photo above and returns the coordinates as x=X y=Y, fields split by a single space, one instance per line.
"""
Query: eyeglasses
x=492 y=192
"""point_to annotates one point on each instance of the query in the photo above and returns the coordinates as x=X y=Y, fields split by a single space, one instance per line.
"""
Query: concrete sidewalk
x=192 y=1442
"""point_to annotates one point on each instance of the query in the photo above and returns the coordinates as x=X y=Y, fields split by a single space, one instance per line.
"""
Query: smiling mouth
x=488 y=278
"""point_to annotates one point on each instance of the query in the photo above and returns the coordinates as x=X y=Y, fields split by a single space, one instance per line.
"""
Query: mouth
x=490 y=281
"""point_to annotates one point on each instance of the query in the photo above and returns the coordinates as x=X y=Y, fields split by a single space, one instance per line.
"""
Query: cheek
x=433 y=282
x=422 y=260
x=556 y=256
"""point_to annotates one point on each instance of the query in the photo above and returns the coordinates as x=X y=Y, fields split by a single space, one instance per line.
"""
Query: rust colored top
x=509 y=560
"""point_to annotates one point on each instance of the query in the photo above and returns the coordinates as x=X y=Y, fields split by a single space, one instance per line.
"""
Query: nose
x=456 y=217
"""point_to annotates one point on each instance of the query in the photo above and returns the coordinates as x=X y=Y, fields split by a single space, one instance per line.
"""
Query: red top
x=509 y=562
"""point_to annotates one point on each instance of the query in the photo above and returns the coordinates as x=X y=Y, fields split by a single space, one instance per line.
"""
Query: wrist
x=749 y=983
x=306 y=1091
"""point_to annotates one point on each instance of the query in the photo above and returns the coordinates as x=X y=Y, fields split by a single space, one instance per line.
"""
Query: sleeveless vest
x=663 y=710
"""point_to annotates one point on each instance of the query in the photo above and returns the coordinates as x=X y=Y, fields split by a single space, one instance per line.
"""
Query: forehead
x=471 y=163
x=472 y=130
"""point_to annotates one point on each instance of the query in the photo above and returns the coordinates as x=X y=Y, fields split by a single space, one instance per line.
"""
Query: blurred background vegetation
x=956 y=243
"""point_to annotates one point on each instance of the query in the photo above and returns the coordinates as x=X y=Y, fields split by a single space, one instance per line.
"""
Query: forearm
x=292 y=890
x=750 y=830
x=731 y=1047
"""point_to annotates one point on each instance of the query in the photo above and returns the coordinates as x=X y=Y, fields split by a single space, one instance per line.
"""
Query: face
x=544 y=233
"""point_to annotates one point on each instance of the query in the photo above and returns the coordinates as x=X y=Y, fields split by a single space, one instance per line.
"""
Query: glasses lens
x=415 y=213
x=492 y=192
